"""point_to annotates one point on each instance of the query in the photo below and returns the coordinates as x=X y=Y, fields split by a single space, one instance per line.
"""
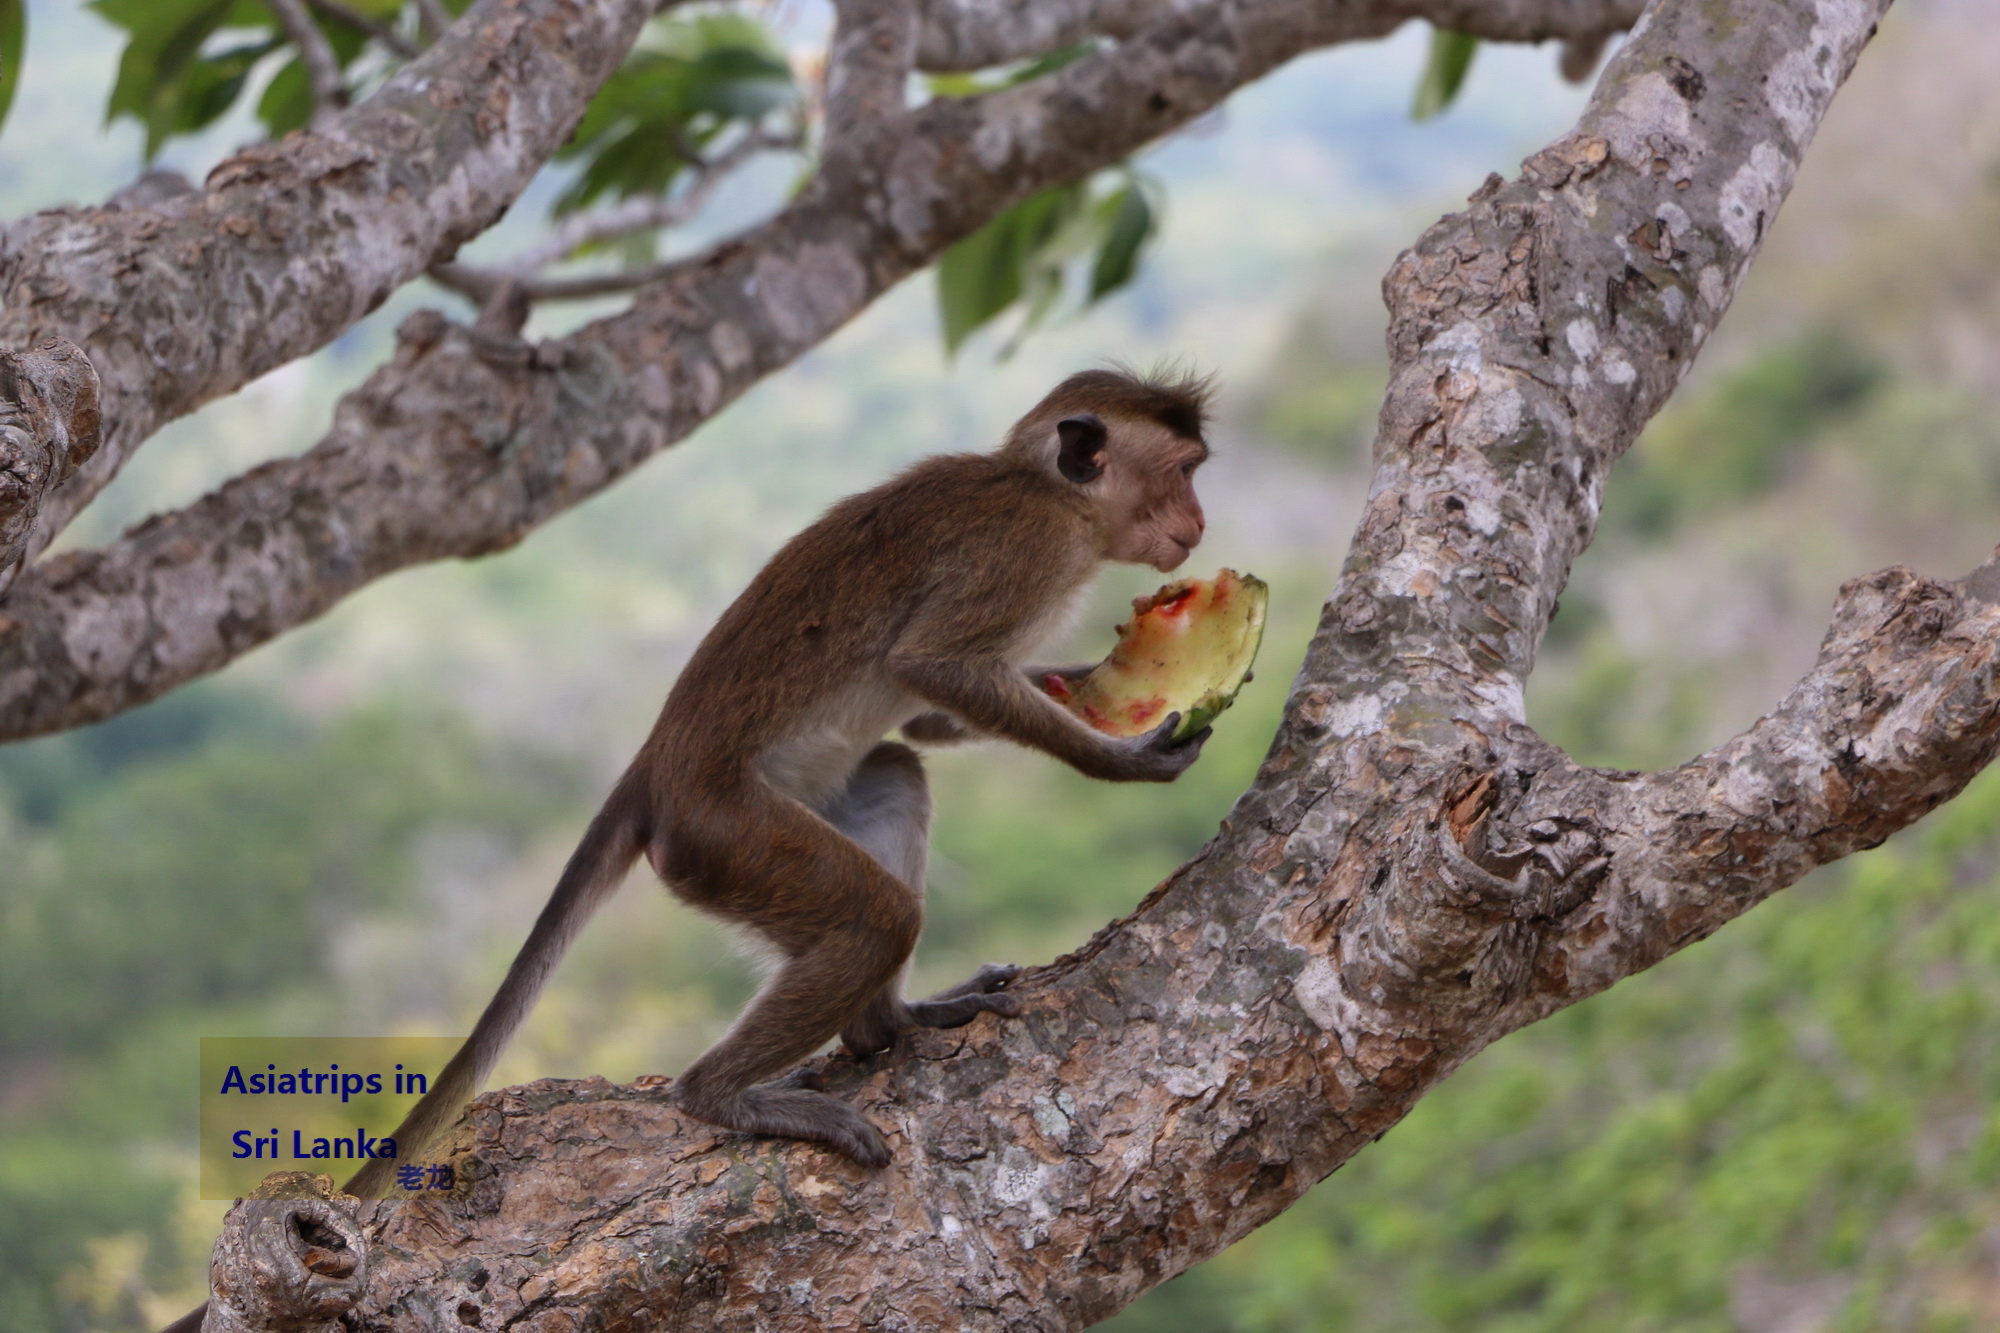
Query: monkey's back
x=800 y=657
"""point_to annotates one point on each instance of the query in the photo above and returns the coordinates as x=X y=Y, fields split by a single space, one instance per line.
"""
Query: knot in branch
x=1455 y=933
x=1545 y=869
x=49 y=427
x=291 y=1259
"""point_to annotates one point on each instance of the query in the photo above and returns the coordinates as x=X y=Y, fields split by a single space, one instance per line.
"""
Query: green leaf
x=1024 y=256
x=972 y=84
x=1129 y=223
x=167 y=83
x=1444 y=73
x=989 y=270
x=211 y=85
x=688 y=81
x=164 y=36
x=287 y=102
x=13 y=40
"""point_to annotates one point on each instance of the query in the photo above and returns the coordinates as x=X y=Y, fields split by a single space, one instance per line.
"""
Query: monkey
x=765 y=794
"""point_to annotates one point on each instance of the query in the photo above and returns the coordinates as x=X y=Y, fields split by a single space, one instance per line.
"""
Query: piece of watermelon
x=1187 y=649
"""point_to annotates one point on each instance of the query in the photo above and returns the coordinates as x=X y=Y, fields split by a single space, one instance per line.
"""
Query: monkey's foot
x=981 y=993
x=789 y=1112
x=805 y=1076
x=874 y=1029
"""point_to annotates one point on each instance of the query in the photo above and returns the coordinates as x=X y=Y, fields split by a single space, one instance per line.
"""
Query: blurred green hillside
x=1787 y=1128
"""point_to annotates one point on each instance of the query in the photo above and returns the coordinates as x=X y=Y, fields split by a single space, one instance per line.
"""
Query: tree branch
x=1901 y=711
x=1414 y=872
x=963 y=35
x=291 y=243
x=643 y=213
x=362 y=23
x=322 y=67
x=867 y=66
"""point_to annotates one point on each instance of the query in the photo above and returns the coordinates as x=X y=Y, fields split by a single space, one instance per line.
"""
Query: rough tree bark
x=49 y=427
x=189 y=297
x=1414 y=873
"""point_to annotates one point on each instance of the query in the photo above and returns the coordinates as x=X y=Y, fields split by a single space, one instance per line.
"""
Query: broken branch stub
x=49 y=427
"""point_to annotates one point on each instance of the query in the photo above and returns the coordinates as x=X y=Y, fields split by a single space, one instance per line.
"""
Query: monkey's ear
x=1080 y=456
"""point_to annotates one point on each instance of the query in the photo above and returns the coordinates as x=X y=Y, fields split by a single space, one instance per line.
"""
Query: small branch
x=868 y=65
x=362 y=23
x=1901 y=710
x=621 y=219
x=641 y=214
x=433 y=18
x=322 y=66
x=958 y=36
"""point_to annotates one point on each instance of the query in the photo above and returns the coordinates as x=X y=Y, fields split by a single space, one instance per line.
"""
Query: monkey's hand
x=1157 y=756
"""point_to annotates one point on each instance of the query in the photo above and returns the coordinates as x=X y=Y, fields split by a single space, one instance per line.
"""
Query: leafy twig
x=433 y=18
x=315 y=53
x=621 y=219
x=360 y=22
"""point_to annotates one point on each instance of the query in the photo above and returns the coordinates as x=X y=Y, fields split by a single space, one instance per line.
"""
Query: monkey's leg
x=845 y=926
x=886 y=809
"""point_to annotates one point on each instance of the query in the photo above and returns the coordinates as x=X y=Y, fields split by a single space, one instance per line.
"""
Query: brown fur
x=765 y=795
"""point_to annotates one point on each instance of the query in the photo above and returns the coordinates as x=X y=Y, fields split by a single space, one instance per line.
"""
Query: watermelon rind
x=1180 y=652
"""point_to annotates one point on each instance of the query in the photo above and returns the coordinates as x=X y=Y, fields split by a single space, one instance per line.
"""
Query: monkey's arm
x=940 y=728
x=994 y=697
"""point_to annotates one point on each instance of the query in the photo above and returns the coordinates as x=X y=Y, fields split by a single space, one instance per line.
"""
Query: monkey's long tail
x=598 y=865
x=595 y=869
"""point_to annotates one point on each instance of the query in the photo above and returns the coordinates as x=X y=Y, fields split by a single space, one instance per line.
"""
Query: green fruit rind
x=1188 y=648
x=1256 y=594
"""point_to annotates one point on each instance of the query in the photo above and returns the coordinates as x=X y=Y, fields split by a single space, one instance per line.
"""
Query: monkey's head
x=1130 y=445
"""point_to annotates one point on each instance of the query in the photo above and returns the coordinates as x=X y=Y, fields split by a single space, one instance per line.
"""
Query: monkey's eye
x=1187 y=469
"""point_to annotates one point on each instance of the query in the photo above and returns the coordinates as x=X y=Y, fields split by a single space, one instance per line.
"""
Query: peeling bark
x=1414 y=873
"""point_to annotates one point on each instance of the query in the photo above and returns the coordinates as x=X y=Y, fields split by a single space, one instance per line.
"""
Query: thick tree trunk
x=1414 y=873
